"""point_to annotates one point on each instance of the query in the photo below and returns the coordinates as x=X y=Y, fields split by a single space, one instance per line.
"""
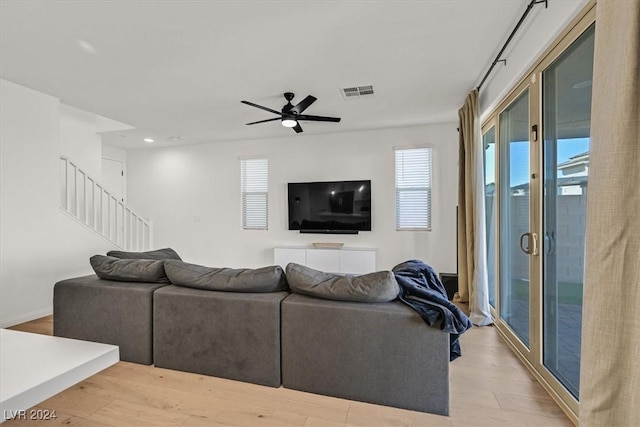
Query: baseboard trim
x=26 y=317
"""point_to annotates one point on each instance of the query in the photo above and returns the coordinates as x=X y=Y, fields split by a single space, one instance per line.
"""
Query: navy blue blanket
x=422 y=290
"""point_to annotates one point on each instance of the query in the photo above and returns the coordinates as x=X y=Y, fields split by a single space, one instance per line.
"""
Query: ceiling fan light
x=289 y=123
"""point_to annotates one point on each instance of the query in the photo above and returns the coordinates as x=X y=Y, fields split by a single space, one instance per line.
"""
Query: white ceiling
x=180 y=68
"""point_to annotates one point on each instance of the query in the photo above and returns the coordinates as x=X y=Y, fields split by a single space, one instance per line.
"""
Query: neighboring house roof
x=577 y=164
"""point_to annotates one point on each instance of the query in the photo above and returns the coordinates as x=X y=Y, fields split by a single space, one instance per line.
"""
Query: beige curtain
x=472 y=259
x=610 y=369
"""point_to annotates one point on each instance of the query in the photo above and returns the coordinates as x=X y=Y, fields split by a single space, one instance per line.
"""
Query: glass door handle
x=532 y=243
x=527 y=249
x=550 y=242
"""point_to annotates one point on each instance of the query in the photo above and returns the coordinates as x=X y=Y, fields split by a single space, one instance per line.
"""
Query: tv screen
x=330 y=207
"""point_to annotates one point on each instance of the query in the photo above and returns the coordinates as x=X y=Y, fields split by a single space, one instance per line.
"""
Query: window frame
x=428 y=188
x=243 y=193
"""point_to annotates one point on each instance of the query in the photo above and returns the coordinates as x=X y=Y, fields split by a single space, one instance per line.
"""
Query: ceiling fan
x=292 y=114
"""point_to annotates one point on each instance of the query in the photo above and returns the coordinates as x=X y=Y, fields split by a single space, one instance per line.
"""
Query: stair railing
x=89 y=202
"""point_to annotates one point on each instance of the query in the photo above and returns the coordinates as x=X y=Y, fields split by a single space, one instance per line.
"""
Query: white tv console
x=344 y=260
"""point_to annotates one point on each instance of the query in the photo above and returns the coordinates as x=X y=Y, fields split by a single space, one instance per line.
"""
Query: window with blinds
x=255 y=187
x=413 y=188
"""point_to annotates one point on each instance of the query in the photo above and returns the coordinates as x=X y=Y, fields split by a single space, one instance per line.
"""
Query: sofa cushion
x=265 y=279
x=129 y=270
x=166 y=253
x=380 y=286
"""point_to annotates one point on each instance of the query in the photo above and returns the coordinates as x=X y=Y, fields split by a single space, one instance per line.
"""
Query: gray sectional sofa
x=379 y=353
x=334 y=335
x=222 y=334
x=112 y=312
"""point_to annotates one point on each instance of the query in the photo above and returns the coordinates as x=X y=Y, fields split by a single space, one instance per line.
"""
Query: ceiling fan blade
x=297 y=128
x=264 y=121
x=303 y=105
x=261 y=107
x=318 y=118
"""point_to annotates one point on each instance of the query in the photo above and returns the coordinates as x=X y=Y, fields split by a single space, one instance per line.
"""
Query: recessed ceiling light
x=86 y=46
x=148 y=140
x=176 y=138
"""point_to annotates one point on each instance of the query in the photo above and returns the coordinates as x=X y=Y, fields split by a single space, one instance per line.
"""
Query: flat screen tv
x=334 y=207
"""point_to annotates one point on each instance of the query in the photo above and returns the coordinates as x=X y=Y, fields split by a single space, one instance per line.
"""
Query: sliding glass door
x=567 y=117
x=536 y=152
x=514 y=205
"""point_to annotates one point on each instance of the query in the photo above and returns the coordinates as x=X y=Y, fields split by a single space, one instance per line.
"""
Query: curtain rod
x=513 y=33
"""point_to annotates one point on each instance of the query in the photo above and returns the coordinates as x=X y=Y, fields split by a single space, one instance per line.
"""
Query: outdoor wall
x=39 y=243
x=571 y=229
x=569 y=237
x=192 y=194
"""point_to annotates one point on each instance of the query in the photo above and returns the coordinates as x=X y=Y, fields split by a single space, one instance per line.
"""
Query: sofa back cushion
x=129 y=270
x=158 y=254
x=380 y=286
x=259 y=280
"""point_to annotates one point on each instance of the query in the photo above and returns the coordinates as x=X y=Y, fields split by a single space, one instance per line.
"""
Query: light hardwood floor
x=489 y=387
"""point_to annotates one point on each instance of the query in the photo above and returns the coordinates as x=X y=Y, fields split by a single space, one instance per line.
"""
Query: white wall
x=539 y=30
x=29 y=132
x=192 y=194
x=79 y=140
x=39 y=244
x=114 y=153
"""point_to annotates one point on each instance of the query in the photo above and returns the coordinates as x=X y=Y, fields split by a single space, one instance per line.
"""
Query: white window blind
x=413 y=189
x=255 y=189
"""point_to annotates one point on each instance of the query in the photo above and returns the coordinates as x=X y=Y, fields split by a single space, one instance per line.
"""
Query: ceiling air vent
x=357 y=91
